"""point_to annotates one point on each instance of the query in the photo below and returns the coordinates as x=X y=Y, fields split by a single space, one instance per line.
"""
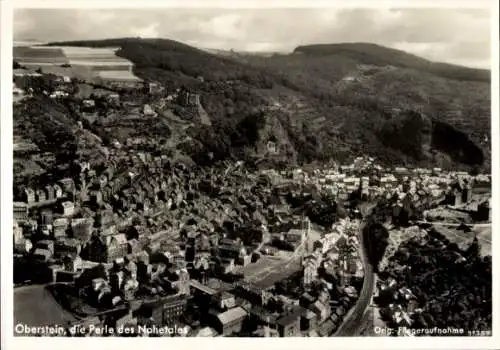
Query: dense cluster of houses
x=419 y=186
x=149 y=227
x=336 y=252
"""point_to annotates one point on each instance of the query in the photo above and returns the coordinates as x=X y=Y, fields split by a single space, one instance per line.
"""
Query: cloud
x=150 y=31
x=448 y=35
x=225 y=26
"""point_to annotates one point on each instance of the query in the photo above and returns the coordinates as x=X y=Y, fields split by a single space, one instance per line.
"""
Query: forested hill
x=373 y=54
x=326 y=102
x=162 y=59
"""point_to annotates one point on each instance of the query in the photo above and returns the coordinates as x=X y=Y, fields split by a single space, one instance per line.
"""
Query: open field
x=272 y=269
x=254 y=270
x=117 y=75
x=84 y=61
x=277 y=273
x=35 y=306
x=32 y=56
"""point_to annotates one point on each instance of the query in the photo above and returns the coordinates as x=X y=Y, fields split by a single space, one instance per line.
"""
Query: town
x=129 y=235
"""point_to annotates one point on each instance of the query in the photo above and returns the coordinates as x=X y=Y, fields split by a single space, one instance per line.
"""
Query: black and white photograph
x=251 y=172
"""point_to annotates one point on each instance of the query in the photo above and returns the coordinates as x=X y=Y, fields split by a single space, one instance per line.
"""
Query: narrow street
x=353 y=321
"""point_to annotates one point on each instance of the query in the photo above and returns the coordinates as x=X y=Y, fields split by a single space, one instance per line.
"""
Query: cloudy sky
x=460 y=36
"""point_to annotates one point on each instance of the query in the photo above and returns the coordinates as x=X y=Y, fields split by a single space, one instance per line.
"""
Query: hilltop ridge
x=368 y=53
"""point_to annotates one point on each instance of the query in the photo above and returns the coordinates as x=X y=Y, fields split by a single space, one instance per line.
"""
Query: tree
x=473 y=251
x=376 y=241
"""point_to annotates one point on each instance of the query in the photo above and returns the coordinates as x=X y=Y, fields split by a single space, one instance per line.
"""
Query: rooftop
x=202 y=287
x=291 y=317
x=232 y=315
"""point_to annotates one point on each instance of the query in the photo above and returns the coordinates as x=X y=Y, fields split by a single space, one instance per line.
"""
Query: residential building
x=308 y=321
x=23 y=245
x=289 y=325
x=68 y=185
x=29 y=195
x=179 y=281
x=104 y=218
x=50 y=192
x=68 y=208
x=155 y=88
x=73 y=264
x=18 y=232
x=257 y=295
x=59 y=227
x=42 y=255
x=206 y=332
x=47 y=217
x=321 y=309
x=230 y=322
x=166 y=311
x=116 y=247
x=187 y=99
x=234 y=251
x=224 y=300
x=20 y=211
x=58 y=192
x=105 y=249
x=41 y=195
x=67 y=247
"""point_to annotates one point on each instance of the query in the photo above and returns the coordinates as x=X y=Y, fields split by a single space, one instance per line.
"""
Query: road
x=354 y=318
x=353 y=321
x=453 y=224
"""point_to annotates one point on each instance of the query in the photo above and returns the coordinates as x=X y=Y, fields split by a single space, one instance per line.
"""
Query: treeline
x=236 y=101
x=376 y=240
x=226 y=138
x=409 y=133
x=451 y=286
x=457 y=144
x=48 y=124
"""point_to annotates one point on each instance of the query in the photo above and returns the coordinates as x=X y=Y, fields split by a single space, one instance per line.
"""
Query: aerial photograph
x=264 y=172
